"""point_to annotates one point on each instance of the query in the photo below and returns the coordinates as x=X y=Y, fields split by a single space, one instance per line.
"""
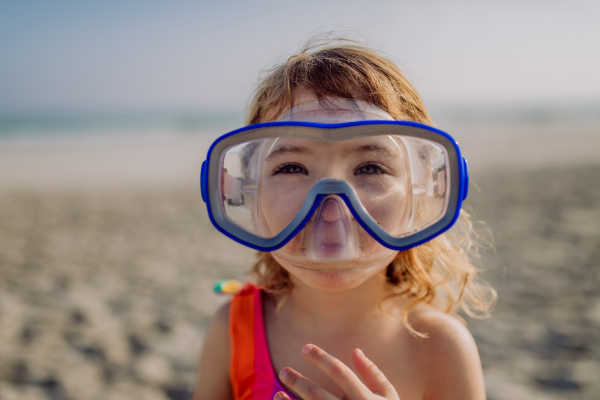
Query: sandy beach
x=107 y=262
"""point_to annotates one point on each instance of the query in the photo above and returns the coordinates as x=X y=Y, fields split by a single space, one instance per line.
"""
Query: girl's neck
x=336 y=313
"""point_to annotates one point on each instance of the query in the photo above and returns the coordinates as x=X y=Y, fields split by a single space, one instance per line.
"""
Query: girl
x=342 y=183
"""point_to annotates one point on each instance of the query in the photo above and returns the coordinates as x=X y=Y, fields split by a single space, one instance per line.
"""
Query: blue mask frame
x=456 y=164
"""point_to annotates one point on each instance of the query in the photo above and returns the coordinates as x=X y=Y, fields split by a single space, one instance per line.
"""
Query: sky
x=200 y=55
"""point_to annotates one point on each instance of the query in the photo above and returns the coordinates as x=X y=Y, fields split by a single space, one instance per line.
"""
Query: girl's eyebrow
x=383 y=150
x=288 y=149
x=371 y=148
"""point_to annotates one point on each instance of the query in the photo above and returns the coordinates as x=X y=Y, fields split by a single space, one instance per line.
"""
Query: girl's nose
x=331 y=211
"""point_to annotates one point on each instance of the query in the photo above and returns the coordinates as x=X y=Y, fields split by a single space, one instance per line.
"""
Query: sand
x=107 y=260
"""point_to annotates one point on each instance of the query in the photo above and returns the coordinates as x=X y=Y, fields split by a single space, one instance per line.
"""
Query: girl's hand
x=377 y=386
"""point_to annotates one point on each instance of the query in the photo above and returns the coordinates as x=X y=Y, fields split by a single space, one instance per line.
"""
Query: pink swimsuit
x=251 y=372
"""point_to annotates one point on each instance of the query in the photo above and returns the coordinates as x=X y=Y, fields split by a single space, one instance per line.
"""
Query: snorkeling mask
x=334 y=182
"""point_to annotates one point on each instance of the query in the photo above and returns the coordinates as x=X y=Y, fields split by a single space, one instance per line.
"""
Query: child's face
x=376 y=167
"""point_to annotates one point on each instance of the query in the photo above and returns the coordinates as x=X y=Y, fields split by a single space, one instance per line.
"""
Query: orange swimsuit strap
x=251 y=369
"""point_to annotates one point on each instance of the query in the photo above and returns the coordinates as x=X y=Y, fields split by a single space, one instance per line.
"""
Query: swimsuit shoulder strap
x=251 y=370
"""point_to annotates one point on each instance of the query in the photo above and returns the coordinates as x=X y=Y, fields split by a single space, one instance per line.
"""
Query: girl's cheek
x=387 y=209
x=280 y=204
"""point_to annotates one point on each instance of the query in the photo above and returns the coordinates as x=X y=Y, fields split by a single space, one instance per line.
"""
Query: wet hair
x=441 y=272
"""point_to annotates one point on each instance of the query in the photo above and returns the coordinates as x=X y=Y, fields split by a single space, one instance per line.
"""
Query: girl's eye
x=290 y=169
x=370 y=169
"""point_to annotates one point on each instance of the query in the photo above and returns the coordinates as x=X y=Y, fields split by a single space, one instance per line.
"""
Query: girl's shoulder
x=449 y=351
x=220 y=322
x=220 y=319
x=443 y=326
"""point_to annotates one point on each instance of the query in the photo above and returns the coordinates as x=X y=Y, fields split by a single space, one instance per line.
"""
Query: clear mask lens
x=401 y=182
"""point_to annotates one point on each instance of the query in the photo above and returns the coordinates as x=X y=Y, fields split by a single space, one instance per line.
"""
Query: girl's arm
x=453 y=366
x=213 y=375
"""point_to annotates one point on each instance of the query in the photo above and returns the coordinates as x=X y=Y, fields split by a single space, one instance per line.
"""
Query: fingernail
x=278 y=396
x=360 y=353
x=283 y=373
x=307 y=349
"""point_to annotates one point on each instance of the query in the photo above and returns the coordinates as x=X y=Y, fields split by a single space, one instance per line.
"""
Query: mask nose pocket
x=332 y=233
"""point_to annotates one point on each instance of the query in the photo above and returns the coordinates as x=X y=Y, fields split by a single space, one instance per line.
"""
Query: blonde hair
x=440 y=272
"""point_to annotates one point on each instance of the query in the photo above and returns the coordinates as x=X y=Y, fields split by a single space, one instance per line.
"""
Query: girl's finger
x=372 y=376
x=281 y=396
x=339 y=373
x=303 y=386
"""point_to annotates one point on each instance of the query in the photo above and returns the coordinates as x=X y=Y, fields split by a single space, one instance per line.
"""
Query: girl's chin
x=332 y=277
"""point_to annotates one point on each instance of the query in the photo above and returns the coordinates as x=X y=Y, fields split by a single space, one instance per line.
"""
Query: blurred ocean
x=77 y=129
x=534 y=114
x=90 y=129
